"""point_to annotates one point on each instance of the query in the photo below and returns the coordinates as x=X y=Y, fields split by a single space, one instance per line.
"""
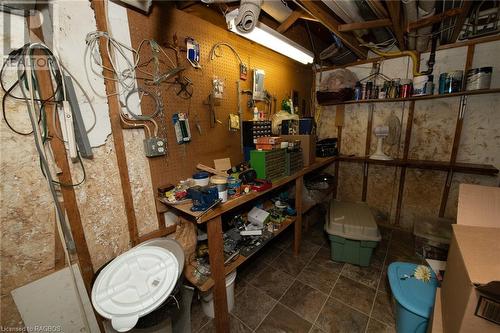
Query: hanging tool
x=185 y=87
x=212 y=103
x=235 y=119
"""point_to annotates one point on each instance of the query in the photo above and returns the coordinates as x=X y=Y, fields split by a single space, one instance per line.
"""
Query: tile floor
x=277 y=292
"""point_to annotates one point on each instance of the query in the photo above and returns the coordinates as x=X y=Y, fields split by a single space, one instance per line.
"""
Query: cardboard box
x=473 y=261
x=436 y=323
x=478 y=205
x=308 y=145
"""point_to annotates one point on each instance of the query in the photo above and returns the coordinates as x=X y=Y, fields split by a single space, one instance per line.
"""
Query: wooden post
x=339 y=122
x=367 y=150
x=406 y=149
x=458 y=133
x=216 y=251
x=299 y=183
x=116 y=129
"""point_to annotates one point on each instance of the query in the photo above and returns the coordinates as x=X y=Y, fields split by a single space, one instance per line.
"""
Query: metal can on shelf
x=478 y=78
x=450 y=82
x=406 y=88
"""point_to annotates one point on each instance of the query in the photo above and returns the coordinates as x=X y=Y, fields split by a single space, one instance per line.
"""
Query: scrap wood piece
x=210 y=170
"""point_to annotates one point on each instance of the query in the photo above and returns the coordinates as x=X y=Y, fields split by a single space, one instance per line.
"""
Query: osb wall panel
x=282 y=75
x=101 y=206
x=432 y=138
x=350 y=182
x=26 y=213
x=354 y=131
x=140 y=181
x=422 y=196
x=382 y=190
x=327 y=128
x=433 y=129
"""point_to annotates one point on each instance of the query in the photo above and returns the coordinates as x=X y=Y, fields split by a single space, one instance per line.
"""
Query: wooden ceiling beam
x=332 y=24
x=395 y=14
x=365 y=25
x=459 y=23
x=433 y=19
x=378 y=8
x=307 y=17
x=290 y=20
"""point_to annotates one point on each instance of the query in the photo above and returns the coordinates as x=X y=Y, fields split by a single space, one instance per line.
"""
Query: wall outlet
x=155 y=146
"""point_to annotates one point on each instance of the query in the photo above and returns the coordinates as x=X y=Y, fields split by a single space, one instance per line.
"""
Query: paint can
x=221 y=183
x=478 y=78
x=233 y=187
x=450 y=82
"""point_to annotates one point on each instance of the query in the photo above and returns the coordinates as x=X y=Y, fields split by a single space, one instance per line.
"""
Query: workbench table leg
x=299 y=182
x=216 y=253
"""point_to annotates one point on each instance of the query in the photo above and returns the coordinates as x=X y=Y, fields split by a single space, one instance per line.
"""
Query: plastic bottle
x=255 y=113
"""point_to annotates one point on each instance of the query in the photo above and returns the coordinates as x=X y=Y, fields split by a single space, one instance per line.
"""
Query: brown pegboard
x=282 y=75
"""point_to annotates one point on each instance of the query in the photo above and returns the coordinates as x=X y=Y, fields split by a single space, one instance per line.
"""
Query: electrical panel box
x=269 y=164
x=155 y=146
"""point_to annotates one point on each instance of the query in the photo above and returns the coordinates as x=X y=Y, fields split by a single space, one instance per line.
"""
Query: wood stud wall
x=458 y=130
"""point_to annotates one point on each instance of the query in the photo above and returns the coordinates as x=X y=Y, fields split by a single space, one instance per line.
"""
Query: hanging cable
x=217 y=52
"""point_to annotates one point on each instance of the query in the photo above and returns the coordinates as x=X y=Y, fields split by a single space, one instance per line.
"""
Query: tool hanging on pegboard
x=212 y=102
x=193 y=52
x=235 y=119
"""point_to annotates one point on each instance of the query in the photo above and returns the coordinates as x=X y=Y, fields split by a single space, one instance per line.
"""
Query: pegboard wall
x=282 y=75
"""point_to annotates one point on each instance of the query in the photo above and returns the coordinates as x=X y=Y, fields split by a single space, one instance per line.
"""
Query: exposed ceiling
x=349 y=29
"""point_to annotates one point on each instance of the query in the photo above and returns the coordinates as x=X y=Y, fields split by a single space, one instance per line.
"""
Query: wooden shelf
x=470 y=168
x=209 y=283
x=202 y=217
x=417 y=98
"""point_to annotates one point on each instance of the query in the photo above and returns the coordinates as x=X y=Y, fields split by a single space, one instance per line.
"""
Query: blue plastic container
x=414 y=298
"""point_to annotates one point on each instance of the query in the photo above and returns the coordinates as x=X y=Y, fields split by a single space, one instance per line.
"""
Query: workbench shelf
x=469 y=168
x=415 y=98
x=209 y=283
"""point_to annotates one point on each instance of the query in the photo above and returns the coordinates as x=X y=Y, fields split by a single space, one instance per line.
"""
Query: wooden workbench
x=213 y=218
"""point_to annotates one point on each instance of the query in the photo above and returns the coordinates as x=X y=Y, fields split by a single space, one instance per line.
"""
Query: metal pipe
x=425 y=9
x=410 y=10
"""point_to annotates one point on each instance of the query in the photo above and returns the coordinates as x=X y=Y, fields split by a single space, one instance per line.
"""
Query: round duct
x=248 y=15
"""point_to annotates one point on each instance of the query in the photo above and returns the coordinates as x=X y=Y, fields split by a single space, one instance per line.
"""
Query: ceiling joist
x=433 y=19
x=290 y=20
x=365 y=25
x=333 y=24
x=395 y=14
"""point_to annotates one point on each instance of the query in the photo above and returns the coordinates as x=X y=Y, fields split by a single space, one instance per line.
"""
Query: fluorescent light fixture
x=270 y=38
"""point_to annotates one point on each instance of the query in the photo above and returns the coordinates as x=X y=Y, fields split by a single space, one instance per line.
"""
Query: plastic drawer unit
x=352 y=231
